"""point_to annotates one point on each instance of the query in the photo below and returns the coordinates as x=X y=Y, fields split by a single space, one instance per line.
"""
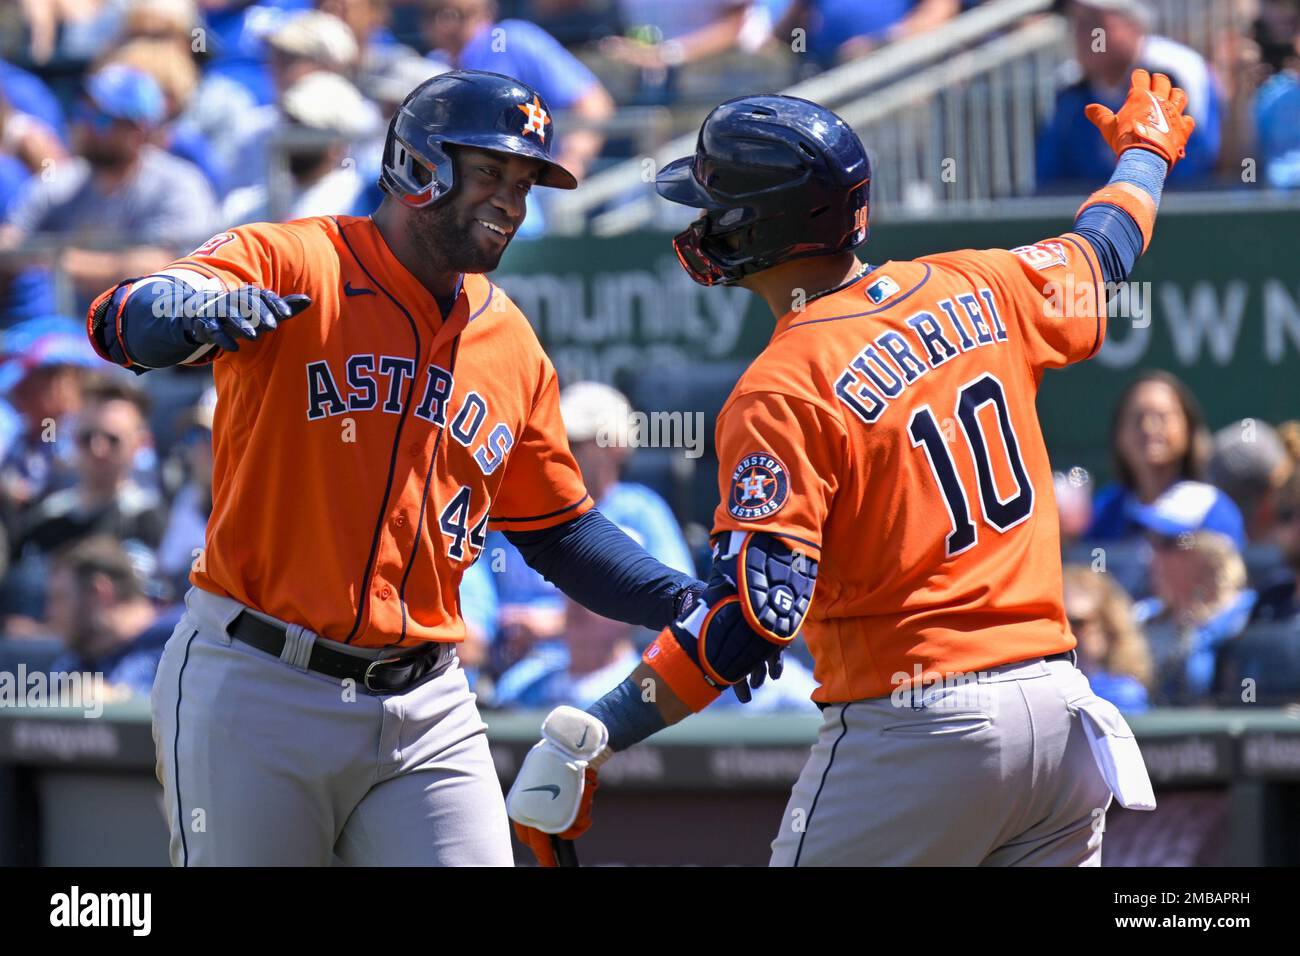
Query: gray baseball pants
x=996 y=771
x=265 y=763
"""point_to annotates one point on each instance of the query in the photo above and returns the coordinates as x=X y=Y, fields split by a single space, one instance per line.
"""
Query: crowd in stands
x=131 y=130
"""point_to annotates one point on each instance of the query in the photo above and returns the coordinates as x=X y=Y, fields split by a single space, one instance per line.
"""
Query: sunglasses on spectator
x=1170 y=542
x=84 y=438
x=95 y=118
x=1078 y=624
x=1287 y=515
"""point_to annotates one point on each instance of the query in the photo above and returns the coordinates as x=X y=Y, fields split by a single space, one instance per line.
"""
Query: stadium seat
x=1268 y=654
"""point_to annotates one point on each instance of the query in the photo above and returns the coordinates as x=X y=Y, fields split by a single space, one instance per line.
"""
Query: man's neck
x=440 y=282
x=789 y=286
x=96 y=496
x=109 y=178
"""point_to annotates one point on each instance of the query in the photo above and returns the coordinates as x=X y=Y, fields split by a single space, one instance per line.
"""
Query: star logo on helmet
x=537 y=118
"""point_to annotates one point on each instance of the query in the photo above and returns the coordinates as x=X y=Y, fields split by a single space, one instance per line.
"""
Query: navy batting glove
x=221 y=318
x=770 y=667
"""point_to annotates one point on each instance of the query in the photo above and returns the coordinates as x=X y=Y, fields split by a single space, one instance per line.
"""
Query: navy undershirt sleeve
x=1108 y=228
x=594 y=562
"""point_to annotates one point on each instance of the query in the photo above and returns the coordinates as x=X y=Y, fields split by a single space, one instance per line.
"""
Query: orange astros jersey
x=364 y=447
x=888 y=430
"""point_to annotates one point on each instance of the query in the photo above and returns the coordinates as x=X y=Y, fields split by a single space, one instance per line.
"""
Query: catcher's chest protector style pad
x=888 y=432
x=364 y=449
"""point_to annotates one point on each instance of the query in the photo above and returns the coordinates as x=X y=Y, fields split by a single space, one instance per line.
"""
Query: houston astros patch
x=759 y=487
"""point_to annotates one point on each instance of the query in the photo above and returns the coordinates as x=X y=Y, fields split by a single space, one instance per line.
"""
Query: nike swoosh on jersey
x=1158 y=120
x=348 y=290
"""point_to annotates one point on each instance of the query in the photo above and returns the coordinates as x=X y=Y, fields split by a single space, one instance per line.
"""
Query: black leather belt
x=382 y=675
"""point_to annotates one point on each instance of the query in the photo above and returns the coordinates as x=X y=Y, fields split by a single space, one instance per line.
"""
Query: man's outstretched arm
x=1149 y=135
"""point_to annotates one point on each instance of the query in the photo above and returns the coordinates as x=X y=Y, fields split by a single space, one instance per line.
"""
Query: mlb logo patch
x=882 y=289
x=760 y=485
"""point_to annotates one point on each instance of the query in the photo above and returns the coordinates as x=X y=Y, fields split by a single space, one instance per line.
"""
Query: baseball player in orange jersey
x=380 y=405
x=886 y=492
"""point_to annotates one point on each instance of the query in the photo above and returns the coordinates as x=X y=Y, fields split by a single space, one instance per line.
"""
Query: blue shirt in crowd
x=835 y=21
x=1277 y=125
x=132 y=665
x=27 y=93
x=542 y=679
x=1186 y=659
x=528 y=53
x=1125 y=692
x=1071 y=151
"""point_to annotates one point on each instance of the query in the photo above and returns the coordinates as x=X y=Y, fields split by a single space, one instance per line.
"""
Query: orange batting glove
x=1151 y=118
x=540 y=843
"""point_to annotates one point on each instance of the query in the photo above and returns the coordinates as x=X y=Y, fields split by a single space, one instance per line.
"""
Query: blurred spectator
x=531 y=610
x=120 y=188
x=26 y=140
x=304 y=43
x=1277 y=102
x=215 y=117
x=368 y=21
x=187 y=521
x=1201 y=599
x=598 y=422
x=235 y=33
x=111 y=428
x=1250 y=463
x=27 y=93
x=28 y=147
x=840 y=30
x=325 y=114
x=479 y=610
x=596 y=656
x=1279 y=598
x=173 y=69
x=467 y=35
x=1111 y=649
x=99 y=608
x=1073 y=491
x=68 y=29
x=43 y=376
x=666 y=35
x=1111 y=39
x=1157 y=438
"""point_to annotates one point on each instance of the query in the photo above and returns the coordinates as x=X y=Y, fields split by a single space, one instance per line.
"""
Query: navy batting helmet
x=464 y=108
x=778 y=177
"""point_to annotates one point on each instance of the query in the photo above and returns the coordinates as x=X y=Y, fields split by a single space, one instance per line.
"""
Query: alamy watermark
x=67 y=690
x=624 y=428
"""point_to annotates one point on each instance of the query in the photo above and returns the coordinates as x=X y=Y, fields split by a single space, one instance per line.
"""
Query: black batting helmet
x=464 y=108
x=778 y=178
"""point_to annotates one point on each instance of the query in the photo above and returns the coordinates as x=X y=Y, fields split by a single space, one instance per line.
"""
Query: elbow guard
x=758 y=597
x=136 y=324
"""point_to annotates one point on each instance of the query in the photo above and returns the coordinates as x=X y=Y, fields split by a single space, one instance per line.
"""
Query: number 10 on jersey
x=1001 y=514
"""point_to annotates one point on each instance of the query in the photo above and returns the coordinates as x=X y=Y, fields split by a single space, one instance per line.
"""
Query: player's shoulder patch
x=1042 y=255
x=213 y=244
x=760 y=486
x=881 y=289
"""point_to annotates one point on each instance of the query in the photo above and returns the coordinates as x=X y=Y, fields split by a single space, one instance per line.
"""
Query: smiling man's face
x=471 y=227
